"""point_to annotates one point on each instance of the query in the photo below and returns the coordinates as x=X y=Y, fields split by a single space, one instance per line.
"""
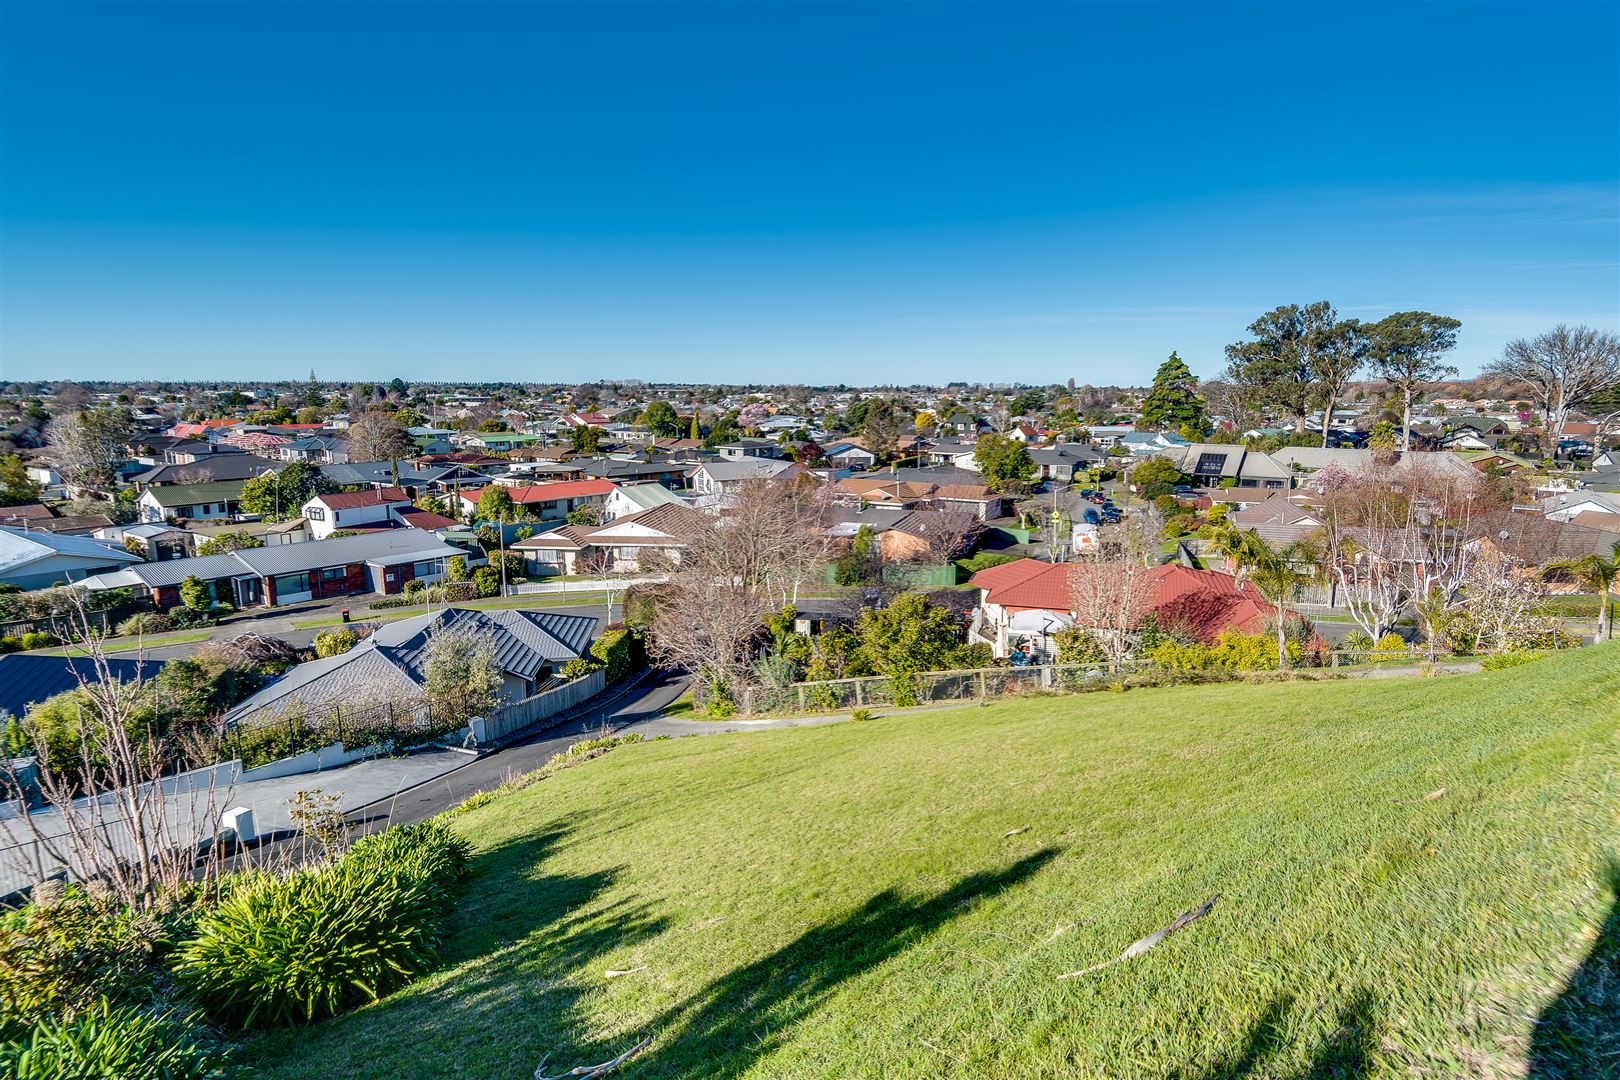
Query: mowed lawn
x=844 y=901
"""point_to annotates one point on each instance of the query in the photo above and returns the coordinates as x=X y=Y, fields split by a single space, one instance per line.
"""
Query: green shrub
x=984 y=560
x=1392 y=647
x=1509 y=659
x=456 y=568
x=108 y=1043
x=189 y=618
x=1357 y=641
x=577 y=668
x=617 y=651
x=487 y=581
x=335 y=642
x=861 y=714
x=147 y=622
x=10 y=644
x=62 y=954
x=1231 y=651
x=287 y=950
x=39 y=639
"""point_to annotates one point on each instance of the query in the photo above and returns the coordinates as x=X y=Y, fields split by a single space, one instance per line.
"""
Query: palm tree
x=1598 y=573
x=1275 y=572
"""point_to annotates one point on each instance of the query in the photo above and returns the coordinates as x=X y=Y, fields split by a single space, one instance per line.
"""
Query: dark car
x=1091 y=516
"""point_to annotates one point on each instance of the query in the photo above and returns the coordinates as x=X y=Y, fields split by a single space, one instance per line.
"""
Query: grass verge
x=1415 y=877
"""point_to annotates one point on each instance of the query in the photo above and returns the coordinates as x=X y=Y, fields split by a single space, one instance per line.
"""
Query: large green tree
x=1002 y=461
x=910 y=635
x=1405 y=350
x=1340 y=351
x=1173 y=401
x=1276 y=366
x=659 y=418
x=279 y=496
x=15 y=486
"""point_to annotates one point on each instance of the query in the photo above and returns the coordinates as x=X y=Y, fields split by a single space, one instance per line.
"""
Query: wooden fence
x=508 y=720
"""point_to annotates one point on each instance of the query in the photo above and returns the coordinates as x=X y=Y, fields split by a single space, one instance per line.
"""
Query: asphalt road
x=636 y=709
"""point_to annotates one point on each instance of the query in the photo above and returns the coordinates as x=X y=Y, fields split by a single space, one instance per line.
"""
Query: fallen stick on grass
x=593 y=1072
x=1015 y=832
x=1139 y=947
x=1437 y=793
x=614 y=973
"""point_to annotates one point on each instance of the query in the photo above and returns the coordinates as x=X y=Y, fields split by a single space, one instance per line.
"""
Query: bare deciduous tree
x=377 y=436
x=1564 y=368
x=111 y=819
x=770 y=538
x=1111 y=590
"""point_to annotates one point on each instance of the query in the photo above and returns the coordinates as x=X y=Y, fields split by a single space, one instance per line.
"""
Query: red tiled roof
x=426 y=520
x=563 y=489
x=1204 y=602
x=351 y=500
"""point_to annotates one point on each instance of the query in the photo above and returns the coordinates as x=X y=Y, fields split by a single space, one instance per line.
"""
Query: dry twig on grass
x=1143 y=945
x=614 y=973
x=1437 y=793
x=593 y=1072
x=1015 y=832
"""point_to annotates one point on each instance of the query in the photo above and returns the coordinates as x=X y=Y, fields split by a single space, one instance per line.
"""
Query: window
x=288 y=584
x=429 y=568
x=334 y=573
x=315 y=513
x=1210 y=464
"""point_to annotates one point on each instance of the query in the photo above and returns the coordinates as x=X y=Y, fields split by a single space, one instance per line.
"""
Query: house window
x=288 y=584
x=315 y=513
x=429 y=568
x=334 y=573
x=1210 y=464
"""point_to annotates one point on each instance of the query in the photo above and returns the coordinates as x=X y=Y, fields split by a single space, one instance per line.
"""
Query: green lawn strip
x=129 y=644
x=510 y=602
x=897 y=898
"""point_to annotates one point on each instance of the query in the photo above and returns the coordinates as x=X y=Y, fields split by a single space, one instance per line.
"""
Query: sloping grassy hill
x=844 y=901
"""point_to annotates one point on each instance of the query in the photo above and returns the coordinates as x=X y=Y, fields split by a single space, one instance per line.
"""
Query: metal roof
x=396 y=651
x=26 y=679
x=192 y=494
x=398 y=545
x=19 y=547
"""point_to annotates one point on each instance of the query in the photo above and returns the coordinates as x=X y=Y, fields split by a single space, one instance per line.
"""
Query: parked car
x=1185 y=489
x=1091 y=516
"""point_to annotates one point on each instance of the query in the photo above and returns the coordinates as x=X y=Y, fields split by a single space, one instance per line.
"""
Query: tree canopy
x=1003 y=461
x=1173 y=401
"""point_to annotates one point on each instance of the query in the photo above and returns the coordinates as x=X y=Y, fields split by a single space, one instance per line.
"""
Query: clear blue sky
x=825 y=192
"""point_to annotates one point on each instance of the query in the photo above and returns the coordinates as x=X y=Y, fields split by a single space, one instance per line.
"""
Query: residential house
x=547 y=502
x=651 y=539
x=220 y=468
x=38 y=560
x=670 y=474
x=849 y=455
x=626 y=499
x=1060 y=463
x=315 y=450
x=327 y=514
x=1024 y=604
x=376 y=562
x=390 y=664
x=1566 y=505
x=1209 y=464
x=715 y=478
x=26 y=679
x=218 y=500
x=154 y=543
x=500 y=442
x=739 y=449
x=1148 y=443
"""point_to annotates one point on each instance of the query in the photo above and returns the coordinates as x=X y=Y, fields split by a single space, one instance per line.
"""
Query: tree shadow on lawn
x=1578 y=1034
x=1346 y=1054
x=517 y=934
x=745 y=1014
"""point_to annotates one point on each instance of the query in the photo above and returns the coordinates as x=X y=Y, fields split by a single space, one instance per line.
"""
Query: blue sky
x=808 y=193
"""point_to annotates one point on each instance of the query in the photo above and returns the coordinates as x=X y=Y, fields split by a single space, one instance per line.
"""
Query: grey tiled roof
x=395 y=653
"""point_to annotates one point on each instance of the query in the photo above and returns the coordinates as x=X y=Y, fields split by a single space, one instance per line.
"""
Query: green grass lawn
x=534 y=600
x=131 y=644
x=846 y=900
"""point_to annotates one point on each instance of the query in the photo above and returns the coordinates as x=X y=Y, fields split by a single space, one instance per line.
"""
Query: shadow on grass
x=1578 y=1034
x=515 y=932
x=745 y=1014
x=1346 y=1054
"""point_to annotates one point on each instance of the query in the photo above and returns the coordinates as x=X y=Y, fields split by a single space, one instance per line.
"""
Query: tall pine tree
x=1173 y=402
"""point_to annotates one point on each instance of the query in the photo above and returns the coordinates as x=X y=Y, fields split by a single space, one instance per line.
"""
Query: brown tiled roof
x=352 y=500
